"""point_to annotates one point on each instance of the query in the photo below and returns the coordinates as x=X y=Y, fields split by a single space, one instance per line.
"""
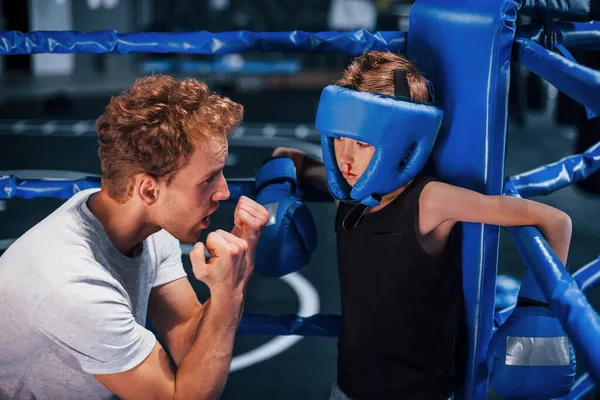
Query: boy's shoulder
x=418 y=184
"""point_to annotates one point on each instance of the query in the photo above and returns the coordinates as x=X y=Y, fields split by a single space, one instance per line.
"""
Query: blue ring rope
x=203 y=42
x=549 y=178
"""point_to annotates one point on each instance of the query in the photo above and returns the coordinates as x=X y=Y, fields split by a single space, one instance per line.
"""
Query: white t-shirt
x=72 y=305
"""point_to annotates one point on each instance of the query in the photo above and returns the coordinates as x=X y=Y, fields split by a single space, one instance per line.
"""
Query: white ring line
x=309 y=305
x=308 y=298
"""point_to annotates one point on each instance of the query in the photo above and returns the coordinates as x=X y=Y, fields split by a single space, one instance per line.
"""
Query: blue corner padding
x=353 y=42
x=575 y=80
x=464 y=47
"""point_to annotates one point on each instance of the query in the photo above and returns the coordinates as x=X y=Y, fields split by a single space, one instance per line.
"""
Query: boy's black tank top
x=401 y=307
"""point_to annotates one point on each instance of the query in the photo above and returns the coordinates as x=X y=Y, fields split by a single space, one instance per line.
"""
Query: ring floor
x=306 y=370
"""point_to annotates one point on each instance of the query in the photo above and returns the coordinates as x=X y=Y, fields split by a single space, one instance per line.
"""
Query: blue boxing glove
x=290 y=236
x=530 y=355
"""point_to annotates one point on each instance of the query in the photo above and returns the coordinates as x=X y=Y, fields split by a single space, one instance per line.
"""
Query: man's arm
x=175 y=313
x=203 y=369
x=91 y=319
x=441 y=203
x=199 y=337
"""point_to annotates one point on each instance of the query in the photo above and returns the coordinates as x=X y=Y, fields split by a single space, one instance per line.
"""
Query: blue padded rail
x=585 y=277
x=549 y=178
x=354 y=42
x=588 y=276
x=584 y=385
x=464 y=48
x=577 y=81
x=14 y=187
x=315 y=325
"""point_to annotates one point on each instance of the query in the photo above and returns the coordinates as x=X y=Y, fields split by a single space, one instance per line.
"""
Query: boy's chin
x=351 y=181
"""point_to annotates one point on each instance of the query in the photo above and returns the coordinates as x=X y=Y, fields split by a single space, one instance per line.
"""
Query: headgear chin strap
x=402 y=132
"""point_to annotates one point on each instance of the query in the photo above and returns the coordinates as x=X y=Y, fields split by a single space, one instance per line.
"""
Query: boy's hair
x=373 y=72
x=151 y=129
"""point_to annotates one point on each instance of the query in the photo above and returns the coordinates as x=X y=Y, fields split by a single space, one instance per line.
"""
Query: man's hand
x=227 y=270
x=249 y=219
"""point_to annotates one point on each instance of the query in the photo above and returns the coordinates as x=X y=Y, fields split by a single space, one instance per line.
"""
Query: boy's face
x=352 y=158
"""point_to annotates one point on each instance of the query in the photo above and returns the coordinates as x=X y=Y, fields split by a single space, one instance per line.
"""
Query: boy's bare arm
x=310 y=172
x=441 y=202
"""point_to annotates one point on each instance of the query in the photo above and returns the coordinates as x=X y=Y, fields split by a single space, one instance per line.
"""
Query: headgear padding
x=402 y=132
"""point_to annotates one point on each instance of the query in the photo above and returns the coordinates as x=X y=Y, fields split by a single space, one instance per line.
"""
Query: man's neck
x=124 y=225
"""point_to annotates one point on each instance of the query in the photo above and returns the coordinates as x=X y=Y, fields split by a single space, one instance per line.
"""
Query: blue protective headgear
x=402 y=132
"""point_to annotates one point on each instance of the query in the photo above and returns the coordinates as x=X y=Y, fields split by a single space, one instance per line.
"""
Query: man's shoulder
x=58 y=246
x=63 y=231
x=72 y=217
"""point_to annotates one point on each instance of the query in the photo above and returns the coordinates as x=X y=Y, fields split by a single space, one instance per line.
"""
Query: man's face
x=194 y=194
x=352 y=158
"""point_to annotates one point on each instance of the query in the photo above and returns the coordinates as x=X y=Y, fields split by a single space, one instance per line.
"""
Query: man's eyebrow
x=212 y=172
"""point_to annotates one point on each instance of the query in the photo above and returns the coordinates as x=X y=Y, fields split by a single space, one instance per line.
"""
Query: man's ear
x=147 y=189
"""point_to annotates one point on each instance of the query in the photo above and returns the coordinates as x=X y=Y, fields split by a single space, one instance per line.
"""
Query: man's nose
x=223 y=190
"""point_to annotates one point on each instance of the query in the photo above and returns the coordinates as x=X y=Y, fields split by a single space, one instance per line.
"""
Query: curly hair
x=151 y=129
x=373 y=72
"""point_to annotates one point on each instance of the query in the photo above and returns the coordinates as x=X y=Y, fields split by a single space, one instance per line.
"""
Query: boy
x=398 y=264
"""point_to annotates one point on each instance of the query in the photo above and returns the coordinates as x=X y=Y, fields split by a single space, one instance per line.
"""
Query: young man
x=398 y=257
x=75 y=289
